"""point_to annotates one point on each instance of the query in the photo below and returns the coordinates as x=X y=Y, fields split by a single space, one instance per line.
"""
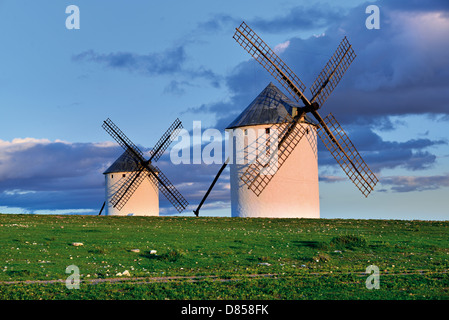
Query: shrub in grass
x=173 y=255
x=348 y=241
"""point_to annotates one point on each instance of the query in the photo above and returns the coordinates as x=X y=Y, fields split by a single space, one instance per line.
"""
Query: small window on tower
x=267 y=144
x=124 y=175
x=112 y=176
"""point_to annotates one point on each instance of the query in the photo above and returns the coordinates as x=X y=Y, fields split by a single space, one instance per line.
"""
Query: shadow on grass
x=171 y=256
x=311 y=244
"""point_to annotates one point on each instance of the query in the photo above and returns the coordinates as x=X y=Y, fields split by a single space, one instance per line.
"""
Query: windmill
x=144 y=169
x=257 y=175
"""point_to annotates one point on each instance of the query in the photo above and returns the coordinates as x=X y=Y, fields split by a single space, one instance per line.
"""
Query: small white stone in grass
x=153 y=251
x=124 y=274
x=135 y=250
x=77 y=244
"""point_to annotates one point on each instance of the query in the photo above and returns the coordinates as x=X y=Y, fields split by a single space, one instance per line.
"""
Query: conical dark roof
x=270 y=106
x=125 y=163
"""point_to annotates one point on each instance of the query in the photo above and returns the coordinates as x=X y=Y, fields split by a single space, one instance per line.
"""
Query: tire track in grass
x=144 y=280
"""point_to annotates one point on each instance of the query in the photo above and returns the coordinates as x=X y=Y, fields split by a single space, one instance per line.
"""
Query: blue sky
x=144 y=63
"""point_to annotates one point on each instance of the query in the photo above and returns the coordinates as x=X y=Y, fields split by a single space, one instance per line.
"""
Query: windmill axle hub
x=312 y=107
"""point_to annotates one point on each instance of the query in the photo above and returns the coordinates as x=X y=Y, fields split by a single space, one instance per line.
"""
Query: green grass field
x=221 y=258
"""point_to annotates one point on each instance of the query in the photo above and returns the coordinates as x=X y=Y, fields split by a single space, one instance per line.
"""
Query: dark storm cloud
x=400 y=69
x=300 y=18
x=49 y=175
x=169 y=62
x=37 y=174
x=419 y=6
x=244 y=85
x=166 y=62
x=381 y=154
x=297 y=18
x=87 y=200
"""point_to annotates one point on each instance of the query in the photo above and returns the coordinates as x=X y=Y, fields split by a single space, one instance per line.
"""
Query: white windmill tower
x=284 y=180
x=133 y=183
x=252 y=135
x=144 y=200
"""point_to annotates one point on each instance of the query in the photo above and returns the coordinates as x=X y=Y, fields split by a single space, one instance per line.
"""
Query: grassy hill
x=221 y=258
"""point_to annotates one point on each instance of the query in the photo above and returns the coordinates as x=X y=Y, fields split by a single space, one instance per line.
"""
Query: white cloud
x=281 y=47
x=66 y=211
x=13 y=210
x=14 y=192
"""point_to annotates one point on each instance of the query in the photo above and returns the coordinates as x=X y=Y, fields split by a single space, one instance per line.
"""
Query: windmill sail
x=260 y=51
x=122 y=139
x=168 y=190
x=165 y=140
x=347 y=156
x=332 y=72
